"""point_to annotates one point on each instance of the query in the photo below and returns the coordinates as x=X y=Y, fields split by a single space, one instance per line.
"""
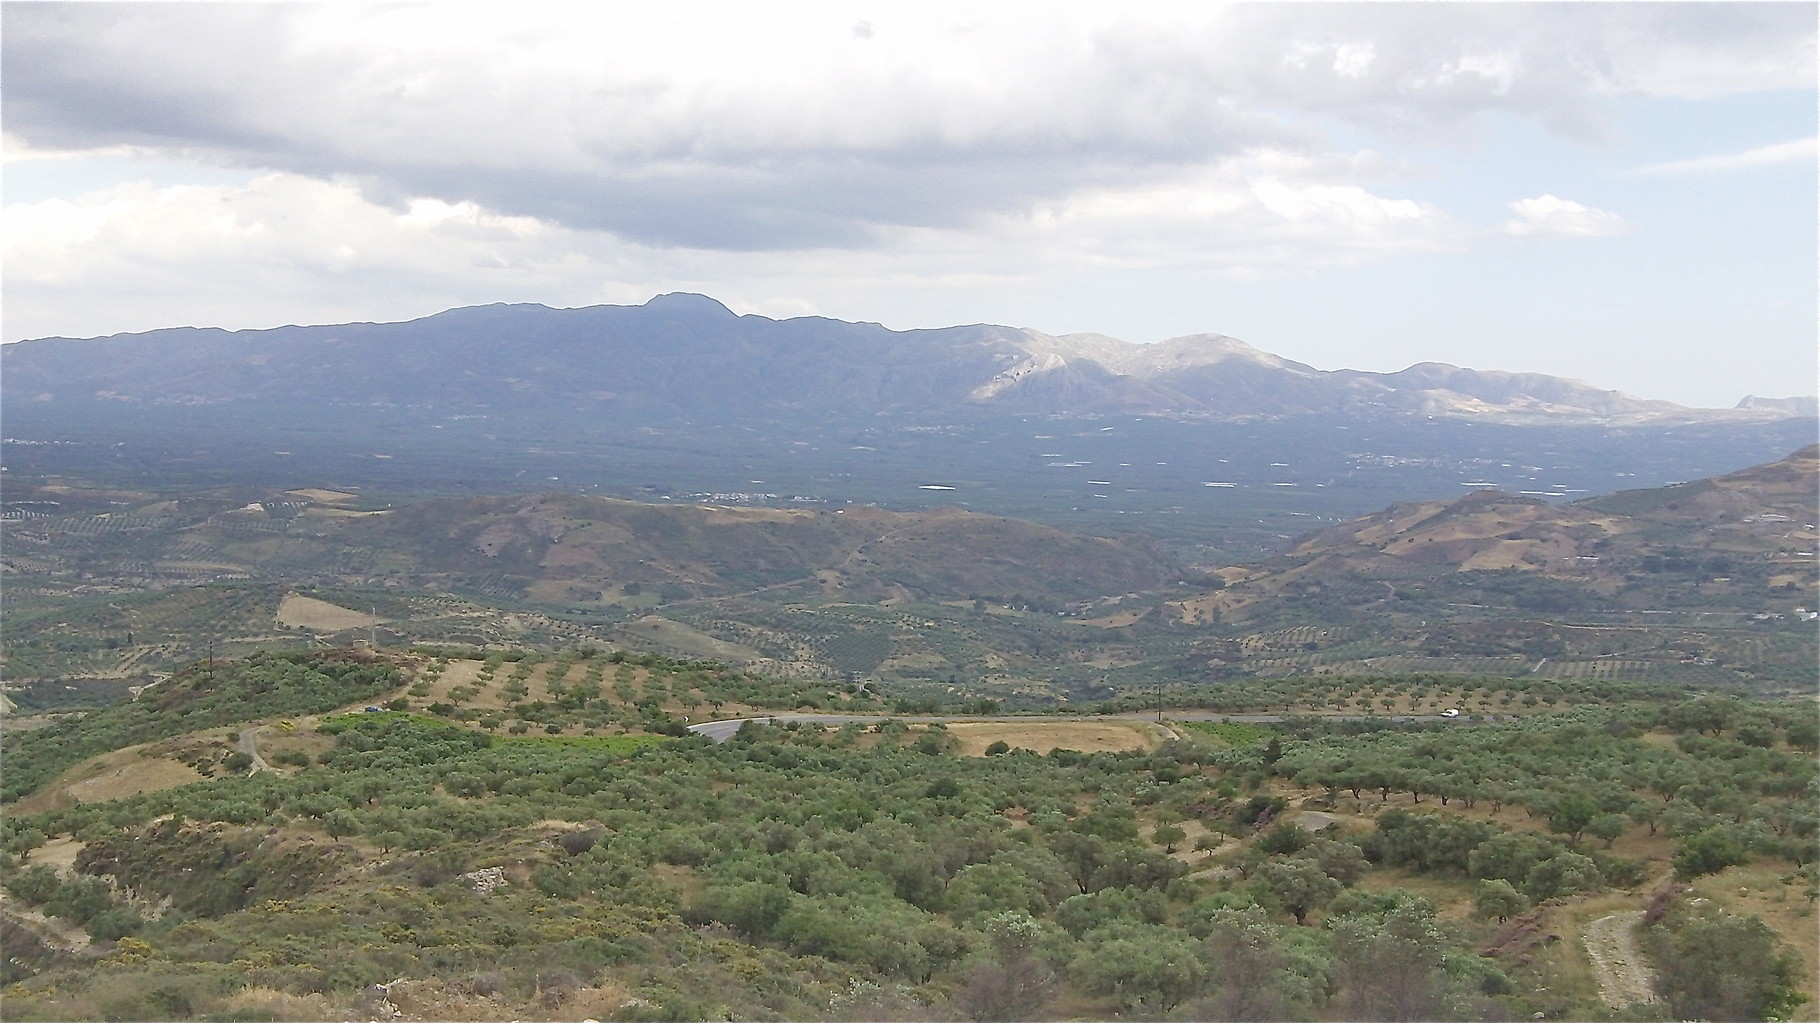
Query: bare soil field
x=715 y=514
x=53 y=932
x=58 y=853
x=1043 y=736
x=320 y=496
x=338 y=513
x=309 y=613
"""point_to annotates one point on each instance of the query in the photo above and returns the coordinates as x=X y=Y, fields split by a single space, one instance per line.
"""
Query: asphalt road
x=721 y=731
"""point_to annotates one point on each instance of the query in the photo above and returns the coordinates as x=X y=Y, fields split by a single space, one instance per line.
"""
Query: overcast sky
x=1624 y=193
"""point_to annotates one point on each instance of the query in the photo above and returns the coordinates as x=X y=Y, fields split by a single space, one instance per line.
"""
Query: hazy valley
x=361 y=672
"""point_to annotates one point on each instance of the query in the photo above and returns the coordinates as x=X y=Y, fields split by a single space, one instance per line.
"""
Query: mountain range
x=688 y=355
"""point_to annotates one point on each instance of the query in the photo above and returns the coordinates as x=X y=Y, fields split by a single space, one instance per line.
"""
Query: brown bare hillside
x=1485 y=530
x=1707 y=581
x=1759 y=522
x=1767 y=512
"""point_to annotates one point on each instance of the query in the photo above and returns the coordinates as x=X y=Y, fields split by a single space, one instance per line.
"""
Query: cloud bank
x=774 y=127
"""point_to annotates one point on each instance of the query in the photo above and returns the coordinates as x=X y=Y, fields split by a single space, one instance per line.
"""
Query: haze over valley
x=702 y=511
x=1203 y=442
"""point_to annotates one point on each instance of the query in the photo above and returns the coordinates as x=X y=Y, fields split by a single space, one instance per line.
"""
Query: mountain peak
x=688 y=303
x=1794 y=406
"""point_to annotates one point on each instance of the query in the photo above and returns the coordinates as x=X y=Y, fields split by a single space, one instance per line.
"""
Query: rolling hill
x=555 y=548
x=1763 y=517
x=1711 y=580
x=1703 y=582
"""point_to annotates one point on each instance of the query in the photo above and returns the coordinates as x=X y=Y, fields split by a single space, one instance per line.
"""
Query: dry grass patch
x=1452 y=896
x=1043 y=736
x=461 y=674
x=1562 y=967
x=116 y=775
x=1501 y=554
x=271 y=1003
x=338 y=513
x=681 y=638
x=1185 y=850
x=1115 y=620
x=1761 y=890
x=908 y=662
x=439 y=1000
x=490 y=695
x=1200 y=610
x=1638 y=843
x=273 y=743
x=11 y=722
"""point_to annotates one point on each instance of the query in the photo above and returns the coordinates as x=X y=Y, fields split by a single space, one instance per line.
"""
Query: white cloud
x=1549 y=215
x=17 y=151
x=1793 y=151
x=1353 y=60
x=285 y=247
x=766 y=127
x=290 y=247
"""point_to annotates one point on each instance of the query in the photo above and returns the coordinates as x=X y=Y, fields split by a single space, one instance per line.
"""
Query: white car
x=1450 y=713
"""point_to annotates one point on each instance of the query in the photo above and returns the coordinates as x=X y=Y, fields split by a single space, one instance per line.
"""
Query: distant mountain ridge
x=1793 y=406
x=689 y=355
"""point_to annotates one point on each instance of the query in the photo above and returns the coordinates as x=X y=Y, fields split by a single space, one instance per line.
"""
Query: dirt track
x=249 y=744
x=1624 y=975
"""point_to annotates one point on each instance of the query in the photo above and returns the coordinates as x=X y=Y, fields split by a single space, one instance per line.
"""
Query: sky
x=1622 y=193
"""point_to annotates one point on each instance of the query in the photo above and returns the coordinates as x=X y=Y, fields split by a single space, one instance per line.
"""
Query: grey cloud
x=104 y=74
x=811 y=202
